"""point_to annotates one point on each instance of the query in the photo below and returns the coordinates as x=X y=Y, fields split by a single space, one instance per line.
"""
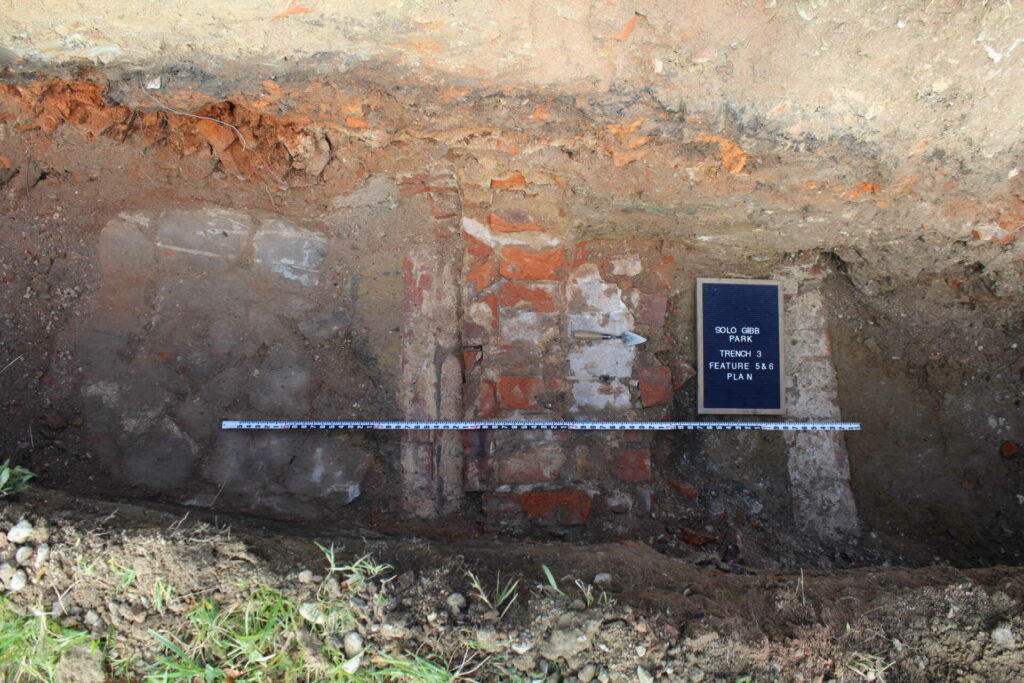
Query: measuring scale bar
x=502 y=424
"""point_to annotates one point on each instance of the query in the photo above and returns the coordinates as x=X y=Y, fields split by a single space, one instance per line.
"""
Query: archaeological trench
x=400 y=211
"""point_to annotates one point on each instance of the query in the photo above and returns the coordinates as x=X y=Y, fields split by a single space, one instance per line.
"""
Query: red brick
x=684 y=487
x=519 y=263
x=681 y=373
x=473 y=334
x=567 y=507
x=514 y=221
x=475 y=247
x=487 y=402
x=483 y=274
x=652 y=309
x=694 y=537
x=1009 y=449
x=491 y=300
x=518 y=358
x=518 y=393
x=532 y=465
x=514 y=180
x=470 y=357
x=536 y=299
x=481 y=263
x=442 y=210
x=655 y=386
x=633 y=464
x=633 y=436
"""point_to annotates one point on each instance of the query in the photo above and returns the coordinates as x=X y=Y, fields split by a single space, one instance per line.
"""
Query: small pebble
x=20 y=532
x=577 y=605
x=604 y=579
x=641 y=651
x=643 y=675
x=92 y=620
x=521 y=646
x=305 y=576
x=1003 y=635
x=352 y=665
x=42 y=555
x=456 y=602
x=311 y=612
x=587 y=673
x=23 y=555
x=18 y=581
x=352 y=644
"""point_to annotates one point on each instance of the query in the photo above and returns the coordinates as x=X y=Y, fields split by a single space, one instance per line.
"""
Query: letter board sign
x=739 y=347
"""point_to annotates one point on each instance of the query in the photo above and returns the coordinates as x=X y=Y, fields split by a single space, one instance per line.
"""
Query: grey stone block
x=162 y=458
x=212 y=233
x=323 y=326
x=330 y=467
x=284 y=250
x=283 y=383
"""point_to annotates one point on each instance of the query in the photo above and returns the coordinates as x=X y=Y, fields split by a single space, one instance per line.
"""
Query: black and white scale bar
x=501 y=424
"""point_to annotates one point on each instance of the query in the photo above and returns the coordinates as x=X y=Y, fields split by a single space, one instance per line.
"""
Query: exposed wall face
x=415 y=212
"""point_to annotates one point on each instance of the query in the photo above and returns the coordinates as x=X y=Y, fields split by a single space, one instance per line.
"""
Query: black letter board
x=739 y=347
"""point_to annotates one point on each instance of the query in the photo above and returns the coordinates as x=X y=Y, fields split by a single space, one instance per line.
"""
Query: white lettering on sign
x=736 y=353
x=727 y=365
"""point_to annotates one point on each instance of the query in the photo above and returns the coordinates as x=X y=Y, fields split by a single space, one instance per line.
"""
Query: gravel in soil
x=131 y=593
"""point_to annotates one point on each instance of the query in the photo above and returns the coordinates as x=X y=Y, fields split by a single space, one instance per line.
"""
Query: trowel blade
x=632 y=339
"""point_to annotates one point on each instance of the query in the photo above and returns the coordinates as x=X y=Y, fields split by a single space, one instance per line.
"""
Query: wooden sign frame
x=701 y=380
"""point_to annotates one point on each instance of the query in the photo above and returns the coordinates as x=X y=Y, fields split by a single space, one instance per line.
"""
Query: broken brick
x=567 y=507
x=487 y=401
x=513 y=221
x=219 y=135
x=519 y=263
x=655 y=386
x=470 y=357
x=694 y=537
x=633 y=464
x=475 y=247
x=483 y=274
x=518 y=393
x=473 y=334
x=514 y=180
x=517 y=358
x=533 y=465
x=684 y=487
x=1009 y=449
x=652 y=309
x=681 y=373
x=512 y=294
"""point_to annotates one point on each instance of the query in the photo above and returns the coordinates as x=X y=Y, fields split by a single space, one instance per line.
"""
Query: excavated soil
x=675 y=620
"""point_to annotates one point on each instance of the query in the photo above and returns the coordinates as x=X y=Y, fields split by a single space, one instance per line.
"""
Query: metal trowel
x=628 y=338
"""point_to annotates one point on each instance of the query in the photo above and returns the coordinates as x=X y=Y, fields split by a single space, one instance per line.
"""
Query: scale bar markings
x=575 y=425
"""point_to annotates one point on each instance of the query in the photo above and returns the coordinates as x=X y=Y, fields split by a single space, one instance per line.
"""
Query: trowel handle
x=592 y=336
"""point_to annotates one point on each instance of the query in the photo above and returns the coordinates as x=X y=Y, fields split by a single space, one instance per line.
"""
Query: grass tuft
x=31 y=645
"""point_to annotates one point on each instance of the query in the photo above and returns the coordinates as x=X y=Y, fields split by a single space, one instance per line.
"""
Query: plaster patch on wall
x=597 y=306
x=819 y=468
